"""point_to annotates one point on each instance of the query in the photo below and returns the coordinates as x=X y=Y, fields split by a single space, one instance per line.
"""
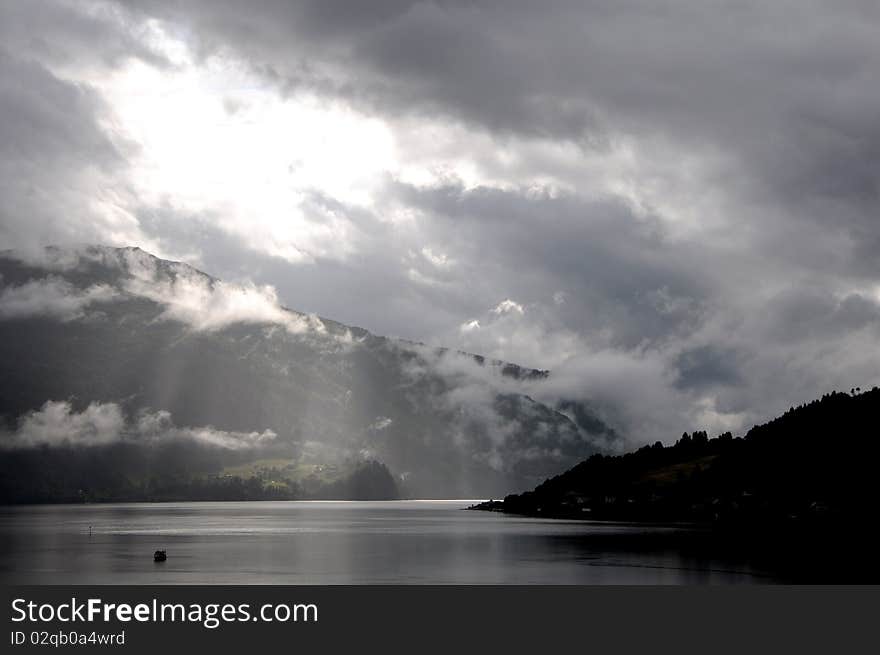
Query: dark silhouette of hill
x=814 y=466
x=173 y=472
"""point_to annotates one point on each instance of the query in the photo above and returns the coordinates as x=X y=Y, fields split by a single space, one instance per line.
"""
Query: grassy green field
x=280 y=470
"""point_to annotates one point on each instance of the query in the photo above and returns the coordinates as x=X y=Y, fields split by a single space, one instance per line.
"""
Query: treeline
x=181 y=472
x=814 y=465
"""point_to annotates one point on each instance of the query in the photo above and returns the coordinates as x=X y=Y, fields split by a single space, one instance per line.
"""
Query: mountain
x=813 y=467
x=123 y=375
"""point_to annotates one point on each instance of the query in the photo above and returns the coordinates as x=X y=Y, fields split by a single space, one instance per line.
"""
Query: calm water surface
x=419 y=542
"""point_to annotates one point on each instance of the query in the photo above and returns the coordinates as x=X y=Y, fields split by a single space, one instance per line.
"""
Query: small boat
x=159 y=556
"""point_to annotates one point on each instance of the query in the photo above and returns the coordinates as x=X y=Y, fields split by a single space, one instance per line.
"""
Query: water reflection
x=343 y=542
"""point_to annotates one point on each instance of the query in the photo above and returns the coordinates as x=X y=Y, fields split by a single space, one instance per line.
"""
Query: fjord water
x=336 y=542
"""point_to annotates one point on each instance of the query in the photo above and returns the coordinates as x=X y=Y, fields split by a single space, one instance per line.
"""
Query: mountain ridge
x=125 y=333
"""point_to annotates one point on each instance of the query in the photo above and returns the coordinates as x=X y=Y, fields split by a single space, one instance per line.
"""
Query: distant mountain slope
x=102 y=347
x=814 y=465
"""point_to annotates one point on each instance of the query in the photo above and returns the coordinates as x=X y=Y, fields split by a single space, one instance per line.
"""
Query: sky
x=673 y=206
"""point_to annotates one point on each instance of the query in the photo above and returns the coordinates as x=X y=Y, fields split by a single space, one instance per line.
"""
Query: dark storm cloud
x=54 y=156
x=41 y=113
x=63 y=172
x=610 y=264
x=787 y=93
x=707 y=366
x=465 y=59
x=63 y=33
